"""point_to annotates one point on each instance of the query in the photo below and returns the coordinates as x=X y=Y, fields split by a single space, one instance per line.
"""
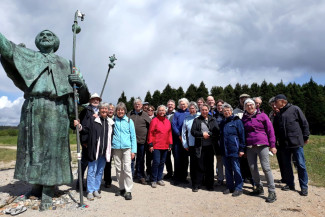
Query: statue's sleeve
x=6 y=49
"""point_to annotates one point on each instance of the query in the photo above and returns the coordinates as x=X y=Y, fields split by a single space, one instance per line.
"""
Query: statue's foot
x=47 y=194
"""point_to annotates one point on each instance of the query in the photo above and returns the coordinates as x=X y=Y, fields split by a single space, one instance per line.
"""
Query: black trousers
x=244 y=168
x=194 y=165
x=168 y=163
x=108 y=173
x=205 y=169
x=148 y=160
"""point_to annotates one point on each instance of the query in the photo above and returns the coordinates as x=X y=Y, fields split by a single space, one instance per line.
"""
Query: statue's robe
x=43 y=151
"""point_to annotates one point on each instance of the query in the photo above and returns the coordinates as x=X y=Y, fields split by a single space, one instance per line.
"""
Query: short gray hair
x=104 y=105
x=137 y=100
x=162 y=106
x=192 y=103
x=171 y=101
x=257 y=97
x=121 y=105
x=226 y=105
x=182 y=100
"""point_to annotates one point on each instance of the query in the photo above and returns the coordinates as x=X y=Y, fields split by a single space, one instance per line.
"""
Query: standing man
x=85 y=118
x=211 y=102
x=170 y=115
x=141 y=123
x=292 y=132
x=239 y=111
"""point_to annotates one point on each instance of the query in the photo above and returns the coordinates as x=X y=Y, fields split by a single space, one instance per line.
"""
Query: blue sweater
x=178 y=120
x=124 y=134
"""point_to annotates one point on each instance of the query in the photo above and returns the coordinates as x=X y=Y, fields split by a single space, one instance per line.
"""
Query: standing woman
x=160 y=141
x=206 y=132
x=180 y=154
x=189 y=141
x=232 y=145
x=99 y=132
x=108 y=167
x=124 y=147
x=260 y=140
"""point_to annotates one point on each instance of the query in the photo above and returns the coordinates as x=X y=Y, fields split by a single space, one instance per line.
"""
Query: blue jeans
x=158 y=163
x=95 y=174
x=232 y=171
x=298 y=155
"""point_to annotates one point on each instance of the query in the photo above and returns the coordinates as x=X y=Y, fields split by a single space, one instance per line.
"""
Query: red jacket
x=160 y=133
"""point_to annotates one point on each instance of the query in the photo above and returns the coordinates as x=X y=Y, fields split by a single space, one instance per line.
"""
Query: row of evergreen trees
x=310 y=97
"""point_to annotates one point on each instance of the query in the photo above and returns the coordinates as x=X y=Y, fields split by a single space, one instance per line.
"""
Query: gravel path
x=172 y=201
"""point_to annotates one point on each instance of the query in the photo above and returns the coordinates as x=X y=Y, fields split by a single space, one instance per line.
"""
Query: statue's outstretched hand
x=75 y=79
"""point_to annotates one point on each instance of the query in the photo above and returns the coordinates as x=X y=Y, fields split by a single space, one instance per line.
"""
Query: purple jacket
x=258 y=129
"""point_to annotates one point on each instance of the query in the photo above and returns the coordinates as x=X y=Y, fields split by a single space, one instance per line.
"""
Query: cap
x=145 y=103
x=95 y=95
x=244 y=95
x=280 y=96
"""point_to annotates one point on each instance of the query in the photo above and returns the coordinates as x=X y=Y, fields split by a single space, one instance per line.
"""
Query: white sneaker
x=90 y=196
x=161 y=182
x=97 y=194
x=154 y=184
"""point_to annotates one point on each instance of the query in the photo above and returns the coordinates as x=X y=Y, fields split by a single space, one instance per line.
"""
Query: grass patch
x=315 y=160
x=8 y=140
x=7 y=155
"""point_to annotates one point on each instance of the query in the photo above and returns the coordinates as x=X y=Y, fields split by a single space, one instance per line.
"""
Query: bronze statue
x=43 y=151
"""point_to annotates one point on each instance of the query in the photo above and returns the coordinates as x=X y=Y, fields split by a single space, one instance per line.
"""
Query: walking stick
x=76 y=29
x=110 y=66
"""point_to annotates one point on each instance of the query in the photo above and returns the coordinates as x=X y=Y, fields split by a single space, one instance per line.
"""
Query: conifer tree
x=191 y=93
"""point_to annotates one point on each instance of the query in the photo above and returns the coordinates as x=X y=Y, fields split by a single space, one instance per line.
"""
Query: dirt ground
x=172 y=200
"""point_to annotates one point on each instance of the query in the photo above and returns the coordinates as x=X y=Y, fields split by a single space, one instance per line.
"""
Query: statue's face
x=46 y=39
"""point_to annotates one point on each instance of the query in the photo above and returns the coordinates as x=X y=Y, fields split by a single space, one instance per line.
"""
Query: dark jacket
x=141 y=124
x=213 y=132
x=291 y=127
x=86 y=115
x=232 y=136
x=95 y=131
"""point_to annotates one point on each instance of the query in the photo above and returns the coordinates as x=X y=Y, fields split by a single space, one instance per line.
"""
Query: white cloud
x=10 y=111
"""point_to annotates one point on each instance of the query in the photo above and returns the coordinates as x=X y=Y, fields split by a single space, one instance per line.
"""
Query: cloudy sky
x=172 y=41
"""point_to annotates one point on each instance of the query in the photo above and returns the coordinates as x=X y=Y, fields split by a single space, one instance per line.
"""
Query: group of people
x=142 y=141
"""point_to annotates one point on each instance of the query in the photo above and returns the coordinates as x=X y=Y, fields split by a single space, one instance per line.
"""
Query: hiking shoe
x=237 y=193
x=304 y=192
x=195 y=189
x=288 y=188
x=128 y=196
x=90 y=196
x=143 y=181
x=97 y=194
x=120 y=193
x=227 y=191
x=271 y=197
x=161 y=182
x=258 y=191
x=154 y=184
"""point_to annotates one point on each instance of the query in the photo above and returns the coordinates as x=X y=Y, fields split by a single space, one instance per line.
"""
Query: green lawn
x=7 y=155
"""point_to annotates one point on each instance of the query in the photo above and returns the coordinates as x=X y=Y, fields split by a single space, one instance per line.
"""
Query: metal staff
x=76 y=29
x=110 y=66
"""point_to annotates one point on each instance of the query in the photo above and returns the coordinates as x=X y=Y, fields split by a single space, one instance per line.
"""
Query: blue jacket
x=124 y=134
x=178 y=120
x=232 y=136
x=187 y=137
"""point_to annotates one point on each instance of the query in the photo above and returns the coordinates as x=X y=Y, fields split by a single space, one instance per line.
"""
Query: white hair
x=182 y=100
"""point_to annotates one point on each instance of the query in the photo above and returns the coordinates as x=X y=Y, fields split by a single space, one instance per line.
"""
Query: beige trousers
x=122 y=160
